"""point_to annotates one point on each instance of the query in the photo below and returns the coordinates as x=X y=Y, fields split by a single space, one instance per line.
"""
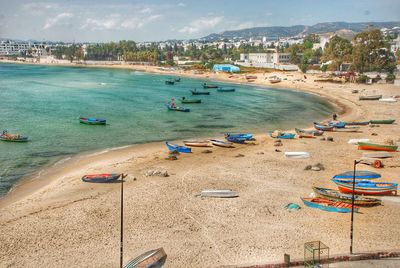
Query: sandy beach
x=55 y=218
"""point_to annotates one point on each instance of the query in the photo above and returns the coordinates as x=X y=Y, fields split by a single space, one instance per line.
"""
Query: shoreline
x=49 y=224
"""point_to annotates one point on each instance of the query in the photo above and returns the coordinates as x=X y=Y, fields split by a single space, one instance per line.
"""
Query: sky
x=157 y=20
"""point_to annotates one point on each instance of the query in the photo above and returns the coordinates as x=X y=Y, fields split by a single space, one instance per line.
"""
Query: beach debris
x=218 y=193
x=278 y=151
x=354 y=91
x=239 y=155
x=206 y=151
x=156 y=173
x=308 y=167
x=329 y=138
x=389 y=142
x=316 y=167
x=322 y=139
x=278 y=143
x=292 y=207
x=171 y=157
x=374 y=134
x=260 y=153
x=373 y=125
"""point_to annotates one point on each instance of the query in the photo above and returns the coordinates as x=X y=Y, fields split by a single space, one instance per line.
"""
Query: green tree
x=338 y=50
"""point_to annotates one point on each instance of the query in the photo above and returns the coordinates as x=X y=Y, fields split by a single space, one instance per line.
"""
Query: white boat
x=221 y=143
x=356 y=141
x=197 y=143
x=388 y=99
x=297 y=154
x=218 y=193
x=274 y=80
x=377 y=155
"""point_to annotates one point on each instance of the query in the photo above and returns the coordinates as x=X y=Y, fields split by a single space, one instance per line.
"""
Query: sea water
x=45 y=102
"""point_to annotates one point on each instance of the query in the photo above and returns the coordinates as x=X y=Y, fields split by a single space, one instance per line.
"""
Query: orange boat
x=376 y=147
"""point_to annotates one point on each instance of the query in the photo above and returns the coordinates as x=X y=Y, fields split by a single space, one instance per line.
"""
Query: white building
x=13 y=48
x=395 y=44
x=274 y=60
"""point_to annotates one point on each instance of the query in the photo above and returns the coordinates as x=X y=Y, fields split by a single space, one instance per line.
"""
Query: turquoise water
x=44 y=103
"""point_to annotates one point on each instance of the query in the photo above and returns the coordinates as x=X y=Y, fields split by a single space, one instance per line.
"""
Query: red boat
x=102 y=178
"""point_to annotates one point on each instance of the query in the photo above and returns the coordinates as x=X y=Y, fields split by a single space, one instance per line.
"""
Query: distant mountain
x=275 y=32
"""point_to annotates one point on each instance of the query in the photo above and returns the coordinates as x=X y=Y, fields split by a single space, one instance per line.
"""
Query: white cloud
x=117 y=21
x=181 y=4
x=200 y=25
x=57 y=20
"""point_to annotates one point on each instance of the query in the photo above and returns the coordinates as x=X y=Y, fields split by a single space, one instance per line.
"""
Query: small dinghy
x=184 y=100
x=245 y=136
x=327 y=205
x=101 y=178
x=205 y=85
x=226 y=90
x=297 y=154
x=236 y=139
x=195 y=92
x=366 y=187
x=92 y=121
x=376 y=147
x=197 y=143
x=370 y=97
x=5 y=136
x=178 y=148
x=151 y=259
x=177 y=109
x=281 y=135
x=337 y=124
x=334 y=195
x=221 y=143
x=360 y=174
x=356 y=141
x=218 y=193
x=321 y=127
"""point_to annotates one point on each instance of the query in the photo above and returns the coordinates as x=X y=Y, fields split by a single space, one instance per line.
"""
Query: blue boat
x=225 y=89
x=360 y=174
x=178 y=148
x=327 y=205
x=337 y=124
x=282 y=135
x=244 y=136
x=319 y=126
x=177 y=109
x=92 y=121
x=235 y=139
x=101 y=178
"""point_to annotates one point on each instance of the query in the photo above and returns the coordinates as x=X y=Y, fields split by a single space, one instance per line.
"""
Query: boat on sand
x=382 y=121
x=308 y=133
x=369 y=97
x=366 y=187
x=297 y=154
x=150 y=259
x=334 y=195
x=328 y=205
x=218 y=193
x=197 y=143
x=101 y=178
x=377 y=155
x=178 y=148
x=222 y=143
x=376 y=147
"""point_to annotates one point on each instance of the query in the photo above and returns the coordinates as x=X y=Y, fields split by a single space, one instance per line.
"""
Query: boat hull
x=178 y=148
x=366 y=187
x=190 y=101
x=220 y=143
x=101 y=178
x=334 y=195
x=376 y=147
x=384 y=121
x=92 y=121
x=328 y=205
x=197 y=143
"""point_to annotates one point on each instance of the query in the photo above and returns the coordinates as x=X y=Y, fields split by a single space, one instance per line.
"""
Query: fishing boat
x=177 y=79
x=334 y=195
x=337 y=124
x=366 y=187
x=197 y=143
x=364 y=123
x=297 y=154
x=169 y=82
x=388 y=100
x=356 y=141
x=251 y=77
x=151 y=259
x=205 y=85
x=370 y=97
x=236 y=139
x=101 y=178
x=5 y=136
x=218 y=193
x=382 y=121
x=245 y=136
x=323 y=127
x=92 y=121
x=184 y=100
x=376 y=147
x=225 y=89
x=274 y=80
x=328 y=205
x=281 y=135
x=221 y=143
x=195 y=92
x=360 y=174
x=178 y=148
x=377 y=155
x=308 y=133
x=177 y=109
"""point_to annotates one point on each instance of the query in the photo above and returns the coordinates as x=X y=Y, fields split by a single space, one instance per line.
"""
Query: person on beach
x=334 y=116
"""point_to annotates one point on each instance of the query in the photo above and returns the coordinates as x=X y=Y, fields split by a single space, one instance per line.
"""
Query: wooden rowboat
x=328 y=205
x=92 y=121
x=221 y=143
x=382 y=121
x=376 y=147
x=334 y=195
x=205 y=85
x=366 y=187
x=151 y=259
x=370 y=97
x=101 y=178
x=217 y=193
x=197 y=143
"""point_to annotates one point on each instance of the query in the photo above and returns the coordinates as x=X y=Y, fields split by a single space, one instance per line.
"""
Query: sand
x=55 y=218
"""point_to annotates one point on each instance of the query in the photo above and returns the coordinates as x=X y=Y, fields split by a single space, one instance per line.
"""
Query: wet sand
x=58 y=219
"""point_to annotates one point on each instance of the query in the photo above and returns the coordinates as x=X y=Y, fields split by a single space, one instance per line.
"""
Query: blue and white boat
x=244 y=136
x=178 y=148
x=327 y=205
x=360 y=174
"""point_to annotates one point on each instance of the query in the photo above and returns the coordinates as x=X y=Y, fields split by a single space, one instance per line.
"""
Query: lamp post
x=121 y=263
x=352 y=205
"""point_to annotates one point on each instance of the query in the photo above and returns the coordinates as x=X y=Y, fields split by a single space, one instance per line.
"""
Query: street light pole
x=122 y=222
x=352 y=205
